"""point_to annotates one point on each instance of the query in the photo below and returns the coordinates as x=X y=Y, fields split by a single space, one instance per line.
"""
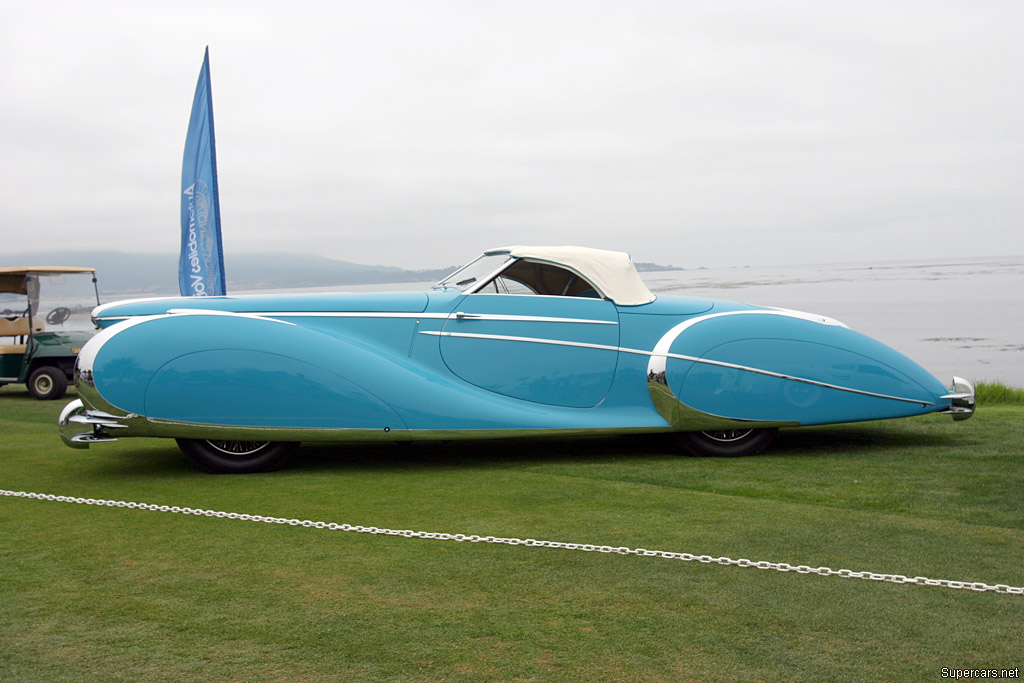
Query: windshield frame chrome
x=447 y=282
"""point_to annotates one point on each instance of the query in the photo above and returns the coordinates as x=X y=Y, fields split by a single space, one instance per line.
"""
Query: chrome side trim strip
x=353 y=314
x=300 y=314
x=529 y=318
x=537 y=340
x=372 y=314
x=532 y=340
x=664 y=356
x=769 y=373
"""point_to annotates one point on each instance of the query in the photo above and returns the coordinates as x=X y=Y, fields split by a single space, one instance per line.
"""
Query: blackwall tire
x=235 y=457
x=727 y=443
x=47 y=383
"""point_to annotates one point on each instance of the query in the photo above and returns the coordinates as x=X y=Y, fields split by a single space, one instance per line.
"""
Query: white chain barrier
x=473 y=538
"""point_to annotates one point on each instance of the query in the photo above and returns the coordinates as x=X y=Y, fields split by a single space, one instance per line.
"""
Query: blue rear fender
x=788 y=368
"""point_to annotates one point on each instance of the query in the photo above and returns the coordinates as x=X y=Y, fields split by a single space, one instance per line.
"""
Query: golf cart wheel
x=47 y=383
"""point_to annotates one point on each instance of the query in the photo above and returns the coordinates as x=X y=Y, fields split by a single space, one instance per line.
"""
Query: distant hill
x=157 y=274
x=122 y=274
x=645 y=267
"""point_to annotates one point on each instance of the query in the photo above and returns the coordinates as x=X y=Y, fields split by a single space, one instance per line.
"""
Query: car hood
x=378 y=302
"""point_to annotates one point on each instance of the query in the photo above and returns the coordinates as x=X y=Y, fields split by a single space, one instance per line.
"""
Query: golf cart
x=44 y=322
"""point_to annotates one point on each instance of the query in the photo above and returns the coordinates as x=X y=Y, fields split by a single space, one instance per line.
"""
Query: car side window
x=530 y=277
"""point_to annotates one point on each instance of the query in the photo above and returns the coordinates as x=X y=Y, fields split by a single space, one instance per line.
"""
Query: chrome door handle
x=466 y=316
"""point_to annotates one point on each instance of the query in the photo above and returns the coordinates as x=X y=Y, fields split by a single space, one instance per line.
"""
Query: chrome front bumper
x=80 y=427
x=961 y=394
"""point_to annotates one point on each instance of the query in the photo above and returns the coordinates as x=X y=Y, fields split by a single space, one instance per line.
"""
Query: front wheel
x=47 y=383
x=727 y=442
x=234 y=457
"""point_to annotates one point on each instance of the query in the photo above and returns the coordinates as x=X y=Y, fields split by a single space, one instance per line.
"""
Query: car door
x=553 y=350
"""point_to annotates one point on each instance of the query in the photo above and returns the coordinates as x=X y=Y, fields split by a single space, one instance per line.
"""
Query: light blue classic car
x=521 y=342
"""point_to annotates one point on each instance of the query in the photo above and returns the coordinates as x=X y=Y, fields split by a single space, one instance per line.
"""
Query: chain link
x=530 y=542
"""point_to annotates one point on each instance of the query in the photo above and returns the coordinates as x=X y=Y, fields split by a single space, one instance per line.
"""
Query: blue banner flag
x=201 y=265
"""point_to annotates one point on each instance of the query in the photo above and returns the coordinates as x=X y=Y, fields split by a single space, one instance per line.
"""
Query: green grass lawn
x=96 y=593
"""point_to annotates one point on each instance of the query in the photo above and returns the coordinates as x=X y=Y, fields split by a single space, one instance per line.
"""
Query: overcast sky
x=418 y=133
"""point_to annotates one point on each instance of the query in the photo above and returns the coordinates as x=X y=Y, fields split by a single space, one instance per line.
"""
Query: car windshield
x=473 y=272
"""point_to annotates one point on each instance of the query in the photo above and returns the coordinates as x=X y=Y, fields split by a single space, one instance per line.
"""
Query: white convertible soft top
x=611 y=272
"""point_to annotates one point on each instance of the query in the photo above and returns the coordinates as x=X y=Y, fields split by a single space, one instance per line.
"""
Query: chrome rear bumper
x=961 y=394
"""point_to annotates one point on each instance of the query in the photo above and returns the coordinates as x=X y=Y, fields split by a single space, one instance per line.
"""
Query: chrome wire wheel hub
x=238 y=448
x=728 y=435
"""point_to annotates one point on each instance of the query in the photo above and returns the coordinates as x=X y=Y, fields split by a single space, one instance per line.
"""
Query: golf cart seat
x=17 y=328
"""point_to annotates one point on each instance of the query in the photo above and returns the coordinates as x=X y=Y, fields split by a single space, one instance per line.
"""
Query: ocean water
x=960 y=317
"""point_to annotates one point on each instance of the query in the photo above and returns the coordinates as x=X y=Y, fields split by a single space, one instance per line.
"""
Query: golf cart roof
x=44 y=270
x=12 y=280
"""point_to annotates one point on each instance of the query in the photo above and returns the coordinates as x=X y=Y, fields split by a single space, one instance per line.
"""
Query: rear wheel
x=727 y=442
x=47 y=383
x=234 y=457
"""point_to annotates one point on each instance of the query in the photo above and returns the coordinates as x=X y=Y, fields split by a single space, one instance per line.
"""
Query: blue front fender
x=238 y=370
